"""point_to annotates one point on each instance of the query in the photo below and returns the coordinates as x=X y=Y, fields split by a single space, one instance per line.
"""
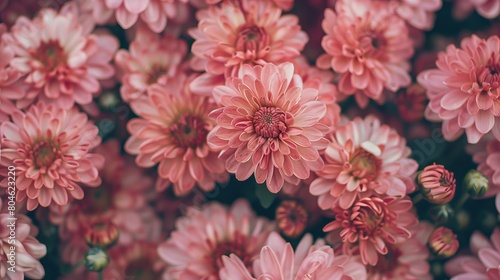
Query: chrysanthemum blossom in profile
x=370 y=225
x=437 y=184
x=50 y=147
x=369 y=47
x=28 y=250
x=364 y=157
x=419 y=14
x=268 y=126
x=196 y=248
x=464 y=89
x=60 y=63
x=279 y=261
x=483 y=264
x=172 y=132
x=242 y=32
x=151 y=59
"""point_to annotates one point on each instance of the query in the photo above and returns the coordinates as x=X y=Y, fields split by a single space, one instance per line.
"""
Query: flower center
x=236 y=246
x=44 y=154
x=370 y=43
x=51 y=54
x=189 y=132
x=291 y=217
x=369 y=216
x=269 y=122
x=488 y=76
x=98 y=200
x=364 y=165
x=252 y=40
x=155 y=73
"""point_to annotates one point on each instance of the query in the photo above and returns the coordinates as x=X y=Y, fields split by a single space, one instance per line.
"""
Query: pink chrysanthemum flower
x=150 y=60
x=464 y=90
x=285 y=5
x=369 y=47
x=62 y=66
x=419 y=14
x=268 y=126
x=370 y=224
x=279 y=261
x=242 y=32
x=172 y=131
x=363 y=157
x=28 y=250
x=195 y=249
x=486 y=8
x=50 y=148
x=484 y=264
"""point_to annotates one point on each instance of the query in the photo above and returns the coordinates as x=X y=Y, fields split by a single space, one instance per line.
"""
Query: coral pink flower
x=62 y=66
x=463 y=90
x=28 y=249
x=485 y=264
x=370 y=224
x=369 y=47
x=268 y=126
x=419 y=14
x=364 y=157
x=443 y=242
x=150 y=60
x=195 y=249
x=437 y=184
x=50 y=148
x=285 y=5
x=242 y=32
x=172 y=131
x=486 y=8
x=279 y=261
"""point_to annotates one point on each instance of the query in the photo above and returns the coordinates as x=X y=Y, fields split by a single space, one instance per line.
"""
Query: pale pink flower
x=151 y=59
x=268 y=126
x=50 y=148
x=363 y=157
x=369 y=47
x=483 y=265
x=464 y=90
x=371 y=224
x=195 y=249
x=28 y=250
x=172 y=131
x=486 y=8
x=279 y=261
x=285 y=5
x=61 y=63
x=419 y=14
x=242 y=32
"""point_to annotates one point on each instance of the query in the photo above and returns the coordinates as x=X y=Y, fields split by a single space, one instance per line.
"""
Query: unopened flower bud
x=476 y=184
x=291 y=217
x=101 y=234
x=443 y=242
x=96 y=259
x=437 y=184
x=441 y=214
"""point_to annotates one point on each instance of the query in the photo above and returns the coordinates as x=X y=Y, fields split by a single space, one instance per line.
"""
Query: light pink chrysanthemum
x=268 y=126
x=62 y=64
x=279 y=261
x=364 y=157
x=368 y=46
x=285 y=5
x=195 y=249
x=172 y=131
x=419 y=14
x=464 y=90
x=50 y=148
x=28 y=250
x=370 y=224
x=242 y=32
x=150 y=60
x=484 y=265
x=486 y=8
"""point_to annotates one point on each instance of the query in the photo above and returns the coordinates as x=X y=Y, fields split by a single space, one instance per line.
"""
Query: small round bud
x=96 y=259
x=441 y=214
x=443 y=242
x=101 y=234
x=476 y=184
x=437 y=184
x=108 y=100
x=291 y=217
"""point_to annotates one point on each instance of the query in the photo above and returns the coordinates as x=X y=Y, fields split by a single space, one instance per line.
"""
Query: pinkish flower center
x=369 y=216
x=370 y=43
x=189 y=131
x=237 y=246
x=269 y=122
x=291 y=217
x=98 y=200
x=251 y=40
x=45 y=153
x=155 y=73
x=51 y=54
x=364 y=165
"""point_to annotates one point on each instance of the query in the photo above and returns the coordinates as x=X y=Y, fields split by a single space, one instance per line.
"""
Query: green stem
x=416 y=199
x=100 y=276
x=461 y=201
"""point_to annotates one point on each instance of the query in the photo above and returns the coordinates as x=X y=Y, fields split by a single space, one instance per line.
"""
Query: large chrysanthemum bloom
x=371 y=224
x=419 y=14
x=464 y=90
x=242 y=32
x=60 y=62
x=151 y=59
x=369 y=47
x=268 y=125
x=486 y=8
x=50 y=148
x=363 y=157
x=28 y=250
x=172 y=131
x=195 y=249
x=279 y=261
x=483 y=265
x=406 y=259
